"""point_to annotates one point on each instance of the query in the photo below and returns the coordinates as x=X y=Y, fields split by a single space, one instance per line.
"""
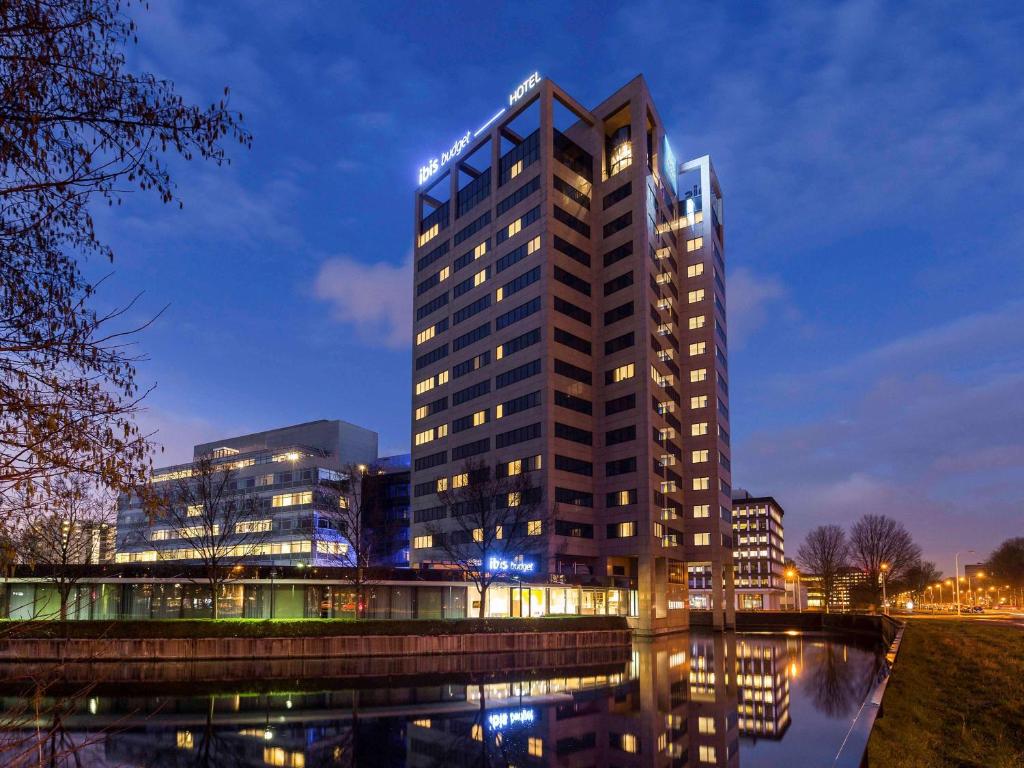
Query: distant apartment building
x=758 y=552
x=570 y=322
x=293 y=472
x=99 y=542
x=847 y=580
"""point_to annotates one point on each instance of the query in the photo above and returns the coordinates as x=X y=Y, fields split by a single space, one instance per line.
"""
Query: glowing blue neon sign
x=501 y=565
x=432 y=166
x=513 y=718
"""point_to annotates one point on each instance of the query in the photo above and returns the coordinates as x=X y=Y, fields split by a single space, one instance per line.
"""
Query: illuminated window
x=663 y=278
x=694 y=244
x=514 y=498
x=701 y=510
x=422 y=412
x=424 y=437
x=515 y=467
x=700 y=401
x=622 y=498
x=161 y=535
x=480 y=417
x=499 y=294
x=515 y=227
x=480 y=250
x=184 y=739
x=499 y=409
x=628 y=743
x=623 y=372
x=699 y=457
x=193 y=510
x=667 y=486
x=479 y=277
x=698 y=349
x=422 y=542
x=516 y=169
x=698 y=428
x=442 y=484
x=442 y=431
x=499 y=532
x=700 y=483
x=695 y=270
x=444 y=273
x=460 y=481
x=291 y=499
x=421 y=723
x=707 y=754
x=665 y=303
x=477 y=732
x=666 y=433
x=698 y=374
x=621 y=157
x=694 y=296
x=254 y=526
x=701 y=539
x=625 y=530
x=534 y=528
x=478 y=535
x=442 y=378
x=424 y=386
x=535 y=746
x=429 y=235
x=426 y=335
x=533 y=245
x=697 y=321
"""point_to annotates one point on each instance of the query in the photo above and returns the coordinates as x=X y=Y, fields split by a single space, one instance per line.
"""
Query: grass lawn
x=956 y=698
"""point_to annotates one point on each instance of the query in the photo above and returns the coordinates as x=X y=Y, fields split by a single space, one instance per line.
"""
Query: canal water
x=690 y=699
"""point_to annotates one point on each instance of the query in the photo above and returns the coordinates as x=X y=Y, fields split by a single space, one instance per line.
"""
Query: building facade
x=570 y=321
x=293 y=474
x=386 y=494
x=759 y=552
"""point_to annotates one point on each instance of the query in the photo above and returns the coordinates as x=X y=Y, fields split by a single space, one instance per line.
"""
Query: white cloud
x=751 y=298
x=373 y=299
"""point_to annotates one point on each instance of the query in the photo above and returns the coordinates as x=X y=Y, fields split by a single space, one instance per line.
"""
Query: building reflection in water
x=683 y=700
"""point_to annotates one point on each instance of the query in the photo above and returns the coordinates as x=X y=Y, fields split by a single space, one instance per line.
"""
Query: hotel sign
x=501 y=565
x=432 y=166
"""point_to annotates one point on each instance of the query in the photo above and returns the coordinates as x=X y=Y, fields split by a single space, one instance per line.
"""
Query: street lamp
x=885 y=601
x=792 y=575
x=956 y=577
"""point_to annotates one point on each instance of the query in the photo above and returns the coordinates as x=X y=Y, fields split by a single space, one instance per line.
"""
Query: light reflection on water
x=689 y=699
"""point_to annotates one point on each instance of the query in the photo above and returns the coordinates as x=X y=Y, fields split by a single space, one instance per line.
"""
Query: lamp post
x=956 y=578
x=885 y=601
x=794 y=576
x=273 y=573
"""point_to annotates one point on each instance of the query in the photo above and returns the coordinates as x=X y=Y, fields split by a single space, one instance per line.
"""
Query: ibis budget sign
x=435 y=164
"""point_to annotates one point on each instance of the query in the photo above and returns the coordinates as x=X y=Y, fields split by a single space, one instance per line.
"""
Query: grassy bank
x=956 y=698
x=188 y=628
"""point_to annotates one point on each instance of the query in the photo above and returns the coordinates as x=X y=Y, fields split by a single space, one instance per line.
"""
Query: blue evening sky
x=870 y=154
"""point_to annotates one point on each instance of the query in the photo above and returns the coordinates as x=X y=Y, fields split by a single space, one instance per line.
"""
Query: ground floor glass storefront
x=260 y=599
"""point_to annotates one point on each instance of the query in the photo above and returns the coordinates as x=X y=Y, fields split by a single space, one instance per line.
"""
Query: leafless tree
x=351 y=517
x=824 y=554
x=64 y=533
x=491 y=524
x=77 y=129
x=877 y=540
x=216 y=523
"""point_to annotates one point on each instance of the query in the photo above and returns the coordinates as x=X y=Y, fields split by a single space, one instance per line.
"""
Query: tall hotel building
x=570 y=321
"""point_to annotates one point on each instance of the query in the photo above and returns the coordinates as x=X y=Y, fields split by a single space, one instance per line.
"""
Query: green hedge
x=187 y=628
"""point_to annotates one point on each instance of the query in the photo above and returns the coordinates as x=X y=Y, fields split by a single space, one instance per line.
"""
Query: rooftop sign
x=432 y=166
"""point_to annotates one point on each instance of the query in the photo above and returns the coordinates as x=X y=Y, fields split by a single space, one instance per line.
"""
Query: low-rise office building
x=292 y=478
x=758 y=552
